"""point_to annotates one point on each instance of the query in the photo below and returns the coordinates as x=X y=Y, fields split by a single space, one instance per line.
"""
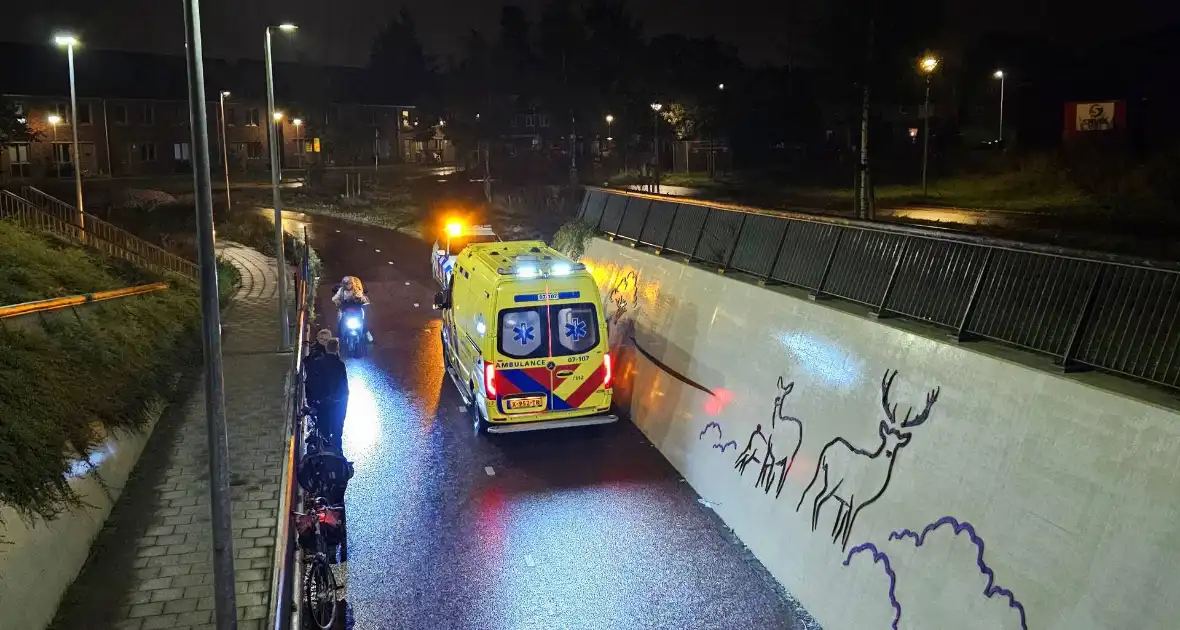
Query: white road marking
x=490 y=471
x=337 y=231
x=391 y=262
x=361 y=240
x=377 y=250
x=462 y=409
x=415 y=305
x=407 y=284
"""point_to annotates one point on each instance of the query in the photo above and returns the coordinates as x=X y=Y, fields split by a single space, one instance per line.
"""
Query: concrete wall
x=1011 y=498
x=39 y=560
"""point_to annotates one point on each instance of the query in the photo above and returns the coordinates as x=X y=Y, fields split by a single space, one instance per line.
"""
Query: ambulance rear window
x=548 y=331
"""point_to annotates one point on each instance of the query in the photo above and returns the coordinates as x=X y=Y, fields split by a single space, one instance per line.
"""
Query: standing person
x=334 y=378
x=312 y=383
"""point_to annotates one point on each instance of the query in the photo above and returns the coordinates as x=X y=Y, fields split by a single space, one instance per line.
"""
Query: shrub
x=571 y=238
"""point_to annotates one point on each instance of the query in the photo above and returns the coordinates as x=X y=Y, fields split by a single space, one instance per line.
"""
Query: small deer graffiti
x=794 y=432
x=856 y=478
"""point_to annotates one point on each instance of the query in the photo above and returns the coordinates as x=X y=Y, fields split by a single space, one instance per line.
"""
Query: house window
x=147 y=152
x=119 y=114
x=181 y=113
x=230 y=118
x=61 y=152
x=181 y=152
x=543 y=120
x=903 y=110
x=147 y=114
x=18 y=160
x=84 y=114
x=530 y=121
x=254 y=150
x=18 y=108
x=252 y=117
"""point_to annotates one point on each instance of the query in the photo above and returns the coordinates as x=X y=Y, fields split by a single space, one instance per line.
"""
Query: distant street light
x=298 y=122
x=54 y=120
x=225 y=149
x=655 y=140
x=609 y=119
x=928 y=66
x=999 y=74
x=284 y=330
x=69 y=41
x=721 y=86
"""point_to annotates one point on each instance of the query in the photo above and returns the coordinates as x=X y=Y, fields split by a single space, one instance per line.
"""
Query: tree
x=399 y=63
x=14 y=127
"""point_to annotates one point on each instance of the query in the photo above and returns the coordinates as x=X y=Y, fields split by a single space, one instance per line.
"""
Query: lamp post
x=225 y=149
x=609 y=119
x=54 y=121
x=69 y=41
x=655 y=140
x=298 y=122
x=999 y=74
x=928 y=66
x=273 y=118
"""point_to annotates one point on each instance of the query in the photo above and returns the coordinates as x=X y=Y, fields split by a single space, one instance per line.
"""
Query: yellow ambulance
x=524 y=339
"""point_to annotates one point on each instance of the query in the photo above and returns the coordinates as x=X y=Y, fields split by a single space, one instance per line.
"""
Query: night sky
x=340 y=31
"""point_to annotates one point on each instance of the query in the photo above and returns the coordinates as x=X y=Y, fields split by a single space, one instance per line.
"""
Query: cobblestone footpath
x=151 y=566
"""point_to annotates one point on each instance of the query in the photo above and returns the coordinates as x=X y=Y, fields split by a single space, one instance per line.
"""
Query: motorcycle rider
x=349 y=292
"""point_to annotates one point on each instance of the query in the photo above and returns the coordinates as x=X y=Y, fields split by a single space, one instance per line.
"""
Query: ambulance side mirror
x=440 y=301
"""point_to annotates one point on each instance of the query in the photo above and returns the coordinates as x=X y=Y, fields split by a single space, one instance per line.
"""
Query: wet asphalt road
x=582 y=528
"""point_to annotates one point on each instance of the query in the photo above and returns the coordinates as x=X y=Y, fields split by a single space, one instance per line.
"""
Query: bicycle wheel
x=319 y=593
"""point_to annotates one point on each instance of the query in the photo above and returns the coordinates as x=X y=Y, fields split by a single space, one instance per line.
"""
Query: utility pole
x=865 y=205
x=224 y=595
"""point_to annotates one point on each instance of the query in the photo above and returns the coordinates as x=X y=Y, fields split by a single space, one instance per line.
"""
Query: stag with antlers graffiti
x=856 y=478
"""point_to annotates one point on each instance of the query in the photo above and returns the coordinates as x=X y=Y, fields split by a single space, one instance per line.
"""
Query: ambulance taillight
x=489 y=379
x=610 y=372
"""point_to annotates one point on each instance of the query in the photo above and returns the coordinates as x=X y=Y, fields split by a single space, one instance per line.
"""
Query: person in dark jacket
x=332 y=387
x=311 y=366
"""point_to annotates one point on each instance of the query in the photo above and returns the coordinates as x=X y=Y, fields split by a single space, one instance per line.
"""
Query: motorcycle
x=354 y=336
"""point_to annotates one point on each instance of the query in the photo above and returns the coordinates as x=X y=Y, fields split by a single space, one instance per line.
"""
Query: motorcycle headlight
x=353 y=323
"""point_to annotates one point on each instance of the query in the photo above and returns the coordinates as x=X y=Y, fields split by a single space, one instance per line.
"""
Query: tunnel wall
x=1021 y=498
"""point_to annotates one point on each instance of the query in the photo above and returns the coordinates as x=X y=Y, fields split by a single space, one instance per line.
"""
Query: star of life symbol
x=523 y=333
x=575 y=329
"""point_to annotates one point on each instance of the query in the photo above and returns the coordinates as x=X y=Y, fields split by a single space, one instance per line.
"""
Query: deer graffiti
x=856 y=478
x=768 y=461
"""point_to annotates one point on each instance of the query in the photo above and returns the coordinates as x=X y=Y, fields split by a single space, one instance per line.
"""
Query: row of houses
x=142 y=128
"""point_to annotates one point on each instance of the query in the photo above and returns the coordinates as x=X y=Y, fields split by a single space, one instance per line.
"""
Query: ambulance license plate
x=530 y=403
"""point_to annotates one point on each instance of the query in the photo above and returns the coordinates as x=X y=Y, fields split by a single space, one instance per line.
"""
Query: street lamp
x=225 y=149
x=928 y=66
x=298 y=122
x=69 y=41
x=655 y=140
x=999 y=74
x=609 y=119
x=54 y=120
x=721 y=86
x=284 y=330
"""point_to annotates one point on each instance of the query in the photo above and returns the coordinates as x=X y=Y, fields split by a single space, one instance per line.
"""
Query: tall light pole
x=609 y=119
x=272 y=120
x=928 y=66
x=225 y=149
x=224 y=594
x=298 y=122
x=655 y=140
x=69 y=41
x=999 y=74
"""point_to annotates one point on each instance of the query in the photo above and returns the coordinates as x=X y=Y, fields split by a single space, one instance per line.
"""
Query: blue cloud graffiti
x=717 y=443
x=992 y=589
x=880 y=557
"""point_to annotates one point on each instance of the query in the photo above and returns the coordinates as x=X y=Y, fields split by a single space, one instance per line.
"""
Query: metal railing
x=20 y=316
x=111 y=240
x=1084 y=309
x=285 y=590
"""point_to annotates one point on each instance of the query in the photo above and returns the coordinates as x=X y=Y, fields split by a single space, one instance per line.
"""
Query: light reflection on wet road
x=580 y=529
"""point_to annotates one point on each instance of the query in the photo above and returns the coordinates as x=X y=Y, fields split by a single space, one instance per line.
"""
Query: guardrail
x=284 y=613
x=89 y=230
x=53 y=304
x=1084 y=309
